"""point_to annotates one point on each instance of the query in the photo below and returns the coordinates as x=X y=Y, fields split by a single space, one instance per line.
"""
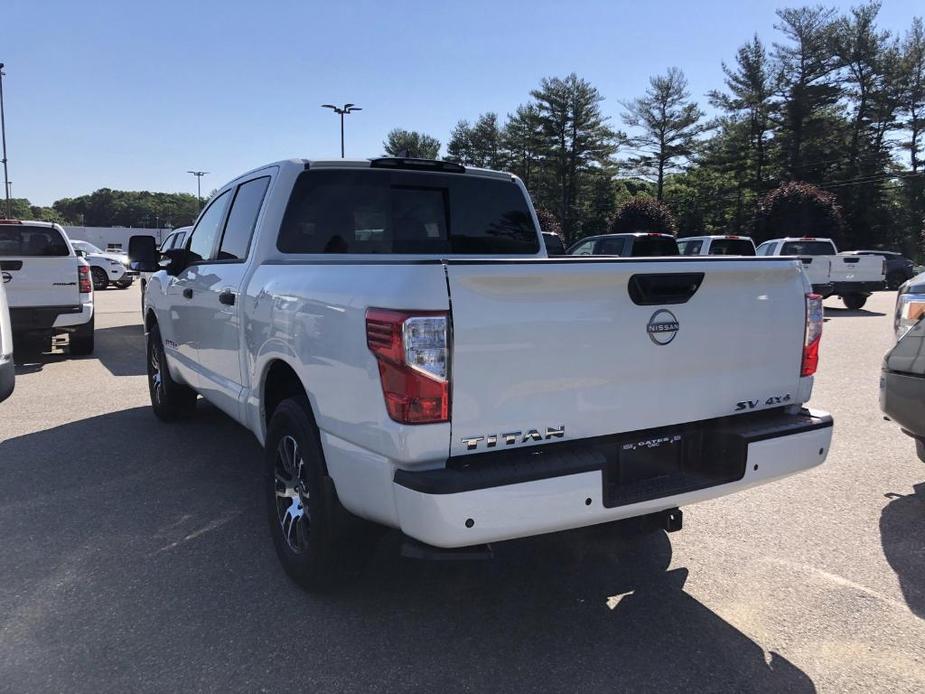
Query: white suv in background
x=47 y=285
x=106 y=267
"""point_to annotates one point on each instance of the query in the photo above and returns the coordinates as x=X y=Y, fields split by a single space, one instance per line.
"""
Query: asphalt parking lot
x=135 y=556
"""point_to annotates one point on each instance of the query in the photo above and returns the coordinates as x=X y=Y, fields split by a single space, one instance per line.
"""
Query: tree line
x=834 y=106
x=106 y=207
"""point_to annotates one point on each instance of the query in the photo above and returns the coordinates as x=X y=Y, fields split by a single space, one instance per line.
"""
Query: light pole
x=342 y=111
x=6 y=174
x=198 y=175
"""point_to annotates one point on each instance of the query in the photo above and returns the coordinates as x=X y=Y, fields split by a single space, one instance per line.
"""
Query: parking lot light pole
x=198 y=175
x=342 y=111
x=6 y=173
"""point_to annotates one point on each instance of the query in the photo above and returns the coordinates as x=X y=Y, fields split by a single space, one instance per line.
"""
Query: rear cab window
x=25 y=241
x=807 y=248
x=388 y=211
x=649 y=246
x=732 y=247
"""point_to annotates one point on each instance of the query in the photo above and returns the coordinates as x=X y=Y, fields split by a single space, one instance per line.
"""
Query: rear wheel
x=169 y=400
x=317 y=541
x=81 y=340
x=100 y=280
x=124 y=284
x=854 y=301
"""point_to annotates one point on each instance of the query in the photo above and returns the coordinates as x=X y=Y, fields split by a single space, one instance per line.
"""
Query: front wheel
x=100 y=280
x=317 y=541
x=854 y=301
x=169 y=400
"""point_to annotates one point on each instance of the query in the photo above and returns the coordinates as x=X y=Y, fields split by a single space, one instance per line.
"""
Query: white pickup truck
x=850 y=277
x=393 y=333
x=48 y=287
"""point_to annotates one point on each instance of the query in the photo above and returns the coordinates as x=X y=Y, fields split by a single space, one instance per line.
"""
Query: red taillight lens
x=83 y=279
x=813 y=335
x=412 y=349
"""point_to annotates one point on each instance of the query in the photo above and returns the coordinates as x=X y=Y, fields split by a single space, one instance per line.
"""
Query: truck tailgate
x=547 y=344
x=857 y=268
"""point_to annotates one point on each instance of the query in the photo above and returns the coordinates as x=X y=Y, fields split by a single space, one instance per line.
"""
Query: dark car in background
x=898 y=267
x=640 y=245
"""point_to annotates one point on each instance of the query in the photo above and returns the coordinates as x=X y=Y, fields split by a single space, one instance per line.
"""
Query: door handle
x=226 y=297
x=187 y=293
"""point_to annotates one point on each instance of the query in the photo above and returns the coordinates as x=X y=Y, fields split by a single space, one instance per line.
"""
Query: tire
x=81 y=340
x=319 y=543
x=169 y=400
x=894 y=280
x=100 y=280
x=854 y=301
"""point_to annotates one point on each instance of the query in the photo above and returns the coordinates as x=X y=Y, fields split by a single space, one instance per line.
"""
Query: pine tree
x=670 y=124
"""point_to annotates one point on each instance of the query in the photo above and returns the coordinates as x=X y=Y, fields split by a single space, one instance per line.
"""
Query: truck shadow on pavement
x=832 y=312
x=902 y=534
x=141 y=557
x=120 y=349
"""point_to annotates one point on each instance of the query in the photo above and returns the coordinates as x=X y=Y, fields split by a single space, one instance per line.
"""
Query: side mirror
x=143 y=254
x=179 y=259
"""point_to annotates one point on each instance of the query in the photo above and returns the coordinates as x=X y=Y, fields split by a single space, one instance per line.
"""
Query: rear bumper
x=50 y=318
x=901 y=397
x=842 y=288
x=520 y=497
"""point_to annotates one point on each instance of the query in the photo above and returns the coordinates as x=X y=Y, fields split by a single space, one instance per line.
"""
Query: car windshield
x=85 y=246
x=807 y=248
x=31 y=241
x=384 y=211
x=732 y=247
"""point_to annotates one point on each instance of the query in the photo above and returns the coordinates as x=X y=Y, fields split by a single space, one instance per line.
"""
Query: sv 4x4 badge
x=743 y=405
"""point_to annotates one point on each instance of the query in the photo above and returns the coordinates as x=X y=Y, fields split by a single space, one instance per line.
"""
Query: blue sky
x=131 y=95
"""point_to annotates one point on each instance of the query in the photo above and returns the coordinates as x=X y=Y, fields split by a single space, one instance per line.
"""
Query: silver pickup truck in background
x=393 y=333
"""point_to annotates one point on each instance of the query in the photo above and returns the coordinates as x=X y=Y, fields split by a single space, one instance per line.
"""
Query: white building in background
x=113 y=238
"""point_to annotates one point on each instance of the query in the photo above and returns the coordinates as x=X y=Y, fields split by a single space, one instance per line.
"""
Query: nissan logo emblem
x=662 y=327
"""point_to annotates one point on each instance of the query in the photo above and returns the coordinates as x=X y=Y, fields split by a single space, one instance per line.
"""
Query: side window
x=206 y=231
x=241 y=220
x=583 y=249
x=178 y=240
x=690 y=247
x=765 y=248
x=610 y=246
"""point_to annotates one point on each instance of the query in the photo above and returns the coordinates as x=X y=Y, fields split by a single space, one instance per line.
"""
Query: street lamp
x=6 y=176
x=198 y=175
x=342 y=111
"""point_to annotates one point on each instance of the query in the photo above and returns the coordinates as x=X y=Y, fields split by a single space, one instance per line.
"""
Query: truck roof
x=737 y=237
x=802 y=238
x=34 y=223
x=433 y=165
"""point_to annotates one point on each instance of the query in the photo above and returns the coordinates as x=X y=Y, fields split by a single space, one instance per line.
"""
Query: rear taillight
x=83 y=279
x=412 y=349
x=813 y=334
